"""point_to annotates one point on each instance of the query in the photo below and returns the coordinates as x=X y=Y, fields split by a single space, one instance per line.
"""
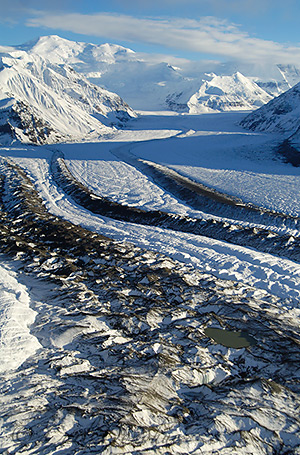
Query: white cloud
x=252 y=7
x=208 y=35
x=13 y=10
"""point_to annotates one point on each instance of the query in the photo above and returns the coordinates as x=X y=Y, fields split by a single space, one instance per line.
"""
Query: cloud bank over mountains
x=207 y=35
x=204 y=27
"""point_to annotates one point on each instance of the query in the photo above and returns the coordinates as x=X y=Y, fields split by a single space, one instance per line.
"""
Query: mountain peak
x=43 y=102
x=150 y=83
x=227 y=93
x=60 y=50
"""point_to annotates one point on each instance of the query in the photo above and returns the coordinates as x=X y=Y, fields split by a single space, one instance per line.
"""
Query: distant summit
x=227 y=93
x=60 y=50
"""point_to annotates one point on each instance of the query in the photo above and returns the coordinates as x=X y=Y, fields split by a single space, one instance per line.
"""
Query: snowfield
x=102 y=320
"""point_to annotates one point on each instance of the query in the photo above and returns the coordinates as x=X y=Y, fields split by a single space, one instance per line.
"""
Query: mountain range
x=147 y=83
x=53 y=89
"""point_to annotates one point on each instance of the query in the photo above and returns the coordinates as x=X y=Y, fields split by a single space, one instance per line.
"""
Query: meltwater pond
x=230 y=338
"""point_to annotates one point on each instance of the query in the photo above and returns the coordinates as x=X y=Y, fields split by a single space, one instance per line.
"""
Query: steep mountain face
x=290 y=74
x=65 y=77
x=283 y=78
x=42 y=102
x=118 y=69
x=143 y=84
x=274 y=79
x=227 y=93
x=149 y=85
x=282 y=114
x=19 y=121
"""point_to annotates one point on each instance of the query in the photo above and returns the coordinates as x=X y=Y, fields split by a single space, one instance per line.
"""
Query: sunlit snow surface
x=58 y=356
x=16 y=316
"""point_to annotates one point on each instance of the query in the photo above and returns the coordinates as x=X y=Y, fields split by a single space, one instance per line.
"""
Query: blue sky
x=194 y=29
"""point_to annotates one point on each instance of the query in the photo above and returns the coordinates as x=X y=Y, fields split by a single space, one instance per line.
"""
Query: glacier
x=106 y=320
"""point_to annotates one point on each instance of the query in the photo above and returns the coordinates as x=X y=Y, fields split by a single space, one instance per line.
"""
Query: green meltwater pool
x=229 y=338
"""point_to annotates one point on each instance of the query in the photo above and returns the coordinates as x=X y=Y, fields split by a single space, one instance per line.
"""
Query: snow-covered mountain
x=281 y=114
x=290 y=74
x=227 y=93
x=142 y=83
x=150 y=85
x=274 y=79
x=53 y=89
x=43 y=102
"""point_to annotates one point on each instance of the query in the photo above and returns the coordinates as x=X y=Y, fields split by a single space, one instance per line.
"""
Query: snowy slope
x=282 y=114
x=83 y=55
x=227 y=93
x=22 y=122
x=43 y=102
x=158 y=84
x=146 y=85
x=290 y=73
x=141 y=82
x=152 y=85
x=274 y=79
